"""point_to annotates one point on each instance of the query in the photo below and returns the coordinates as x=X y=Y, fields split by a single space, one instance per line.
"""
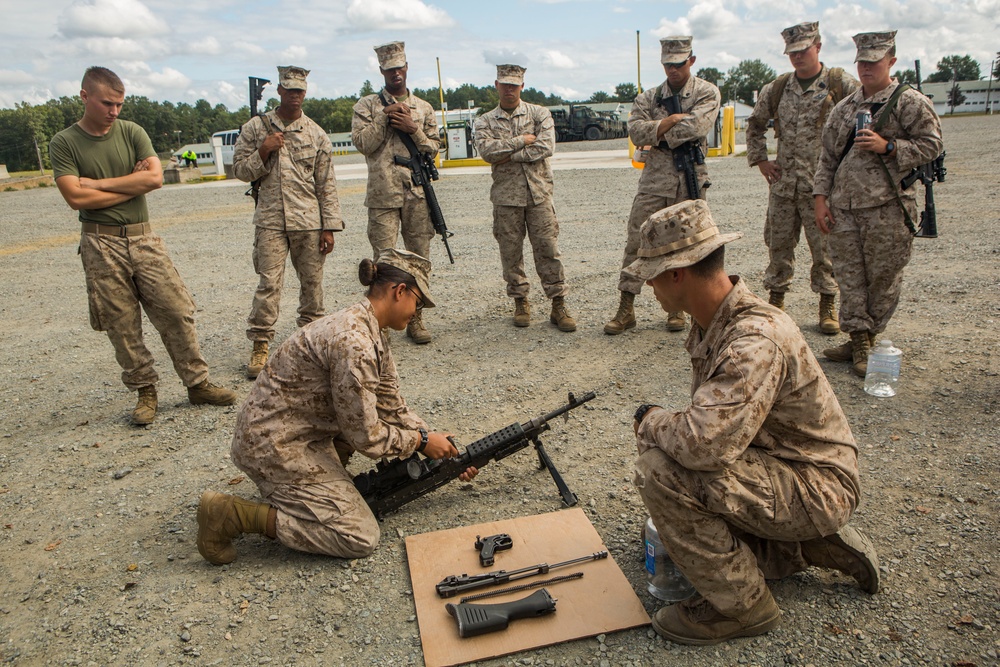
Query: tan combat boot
x=777 y=299
x=848 y=551
x=206 y=393
x=522 y=312
x=257 y=358
x=222 y=517
x=676 y=321
x=560 y=315
x=827 y=315
x=695 y=621
x=145 y=408
x=624 y=318
x=416 y=330
x=860 y=345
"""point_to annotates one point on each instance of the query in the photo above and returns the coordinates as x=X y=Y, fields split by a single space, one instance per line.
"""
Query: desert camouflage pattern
x=661 y=185
x=786 y=219
x=298 y=189
x=124 y=273
x=761 y=461
x=510 y=225
x=412 y=221
x=801 y=113
x=379 y=143
x=271 y=249
x=332 y=380
x=869 y=248
x=860 y=181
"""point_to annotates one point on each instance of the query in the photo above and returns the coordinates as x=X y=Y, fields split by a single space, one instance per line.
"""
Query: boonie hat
x=800 y=37
x=417 y=266
x=872 y=46
x=391 y=55
x=675 y=49
x=676 y=237
x=510 y=74
x=291 y=77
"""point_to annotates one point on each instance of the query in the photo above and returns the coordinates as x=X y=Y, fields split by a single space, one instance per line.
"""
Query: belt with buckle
x=138 y=229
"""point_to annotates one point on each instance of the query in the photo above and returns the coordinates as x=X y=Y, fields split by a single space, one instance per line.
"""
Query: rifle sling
x=883 y=118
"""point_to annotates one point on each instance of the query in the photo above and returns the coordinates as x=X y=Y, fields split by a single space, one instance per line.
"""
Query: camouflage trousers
x=729 y=530
x=329 y=518
x=271 y=248
x=786 y=218
x=869 y=248
x=412 y=221
x=126 y=275
x=643 y=206
x=510 y=225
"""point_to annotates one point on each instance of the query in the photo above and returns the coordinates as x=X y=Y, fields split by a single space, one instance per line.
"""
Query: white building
x=975 y=93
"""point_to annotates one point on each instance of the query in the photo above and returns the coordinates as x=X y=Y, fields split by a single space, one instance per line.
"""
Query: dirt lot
x=97 y=517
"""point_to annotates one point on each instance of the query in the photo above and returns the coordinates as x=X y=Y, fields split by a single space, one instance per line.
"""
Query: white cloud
x=566 y=93
x=118 y=48
x=505 y=57
x=705 y=20
x=293 y=54
x=557 y=59
x=396 y=15
x=141 y=79
x=10 y=77
x=110 y=18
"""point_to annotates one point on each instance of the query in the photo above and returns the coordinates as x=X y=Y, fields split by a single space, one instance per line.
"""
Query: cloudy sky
x=184 y=50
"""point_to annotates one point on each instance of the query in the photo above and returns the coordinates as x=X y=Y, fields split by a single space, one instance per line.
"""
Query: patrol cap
x=872 y=46
x=391 y=55
x=413 y=264
x=511 y=74
x=291 y=77
x=675 y=49
x=676 y=237
x=800 y=37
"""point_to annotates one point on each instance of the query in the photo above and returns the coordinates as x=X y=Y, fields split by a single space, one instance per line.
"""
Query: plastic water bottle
x=663 y=580
x=882 y=376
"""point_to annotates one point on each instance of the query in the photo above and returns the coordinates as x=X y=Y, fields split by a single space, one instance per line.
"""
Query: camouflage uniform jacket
x=801 y=130
x=698 y=98
x=859 y=181
x=526 y=178
x=379 y=143
x=298 y=188
x=755 y=383
x=333 y=379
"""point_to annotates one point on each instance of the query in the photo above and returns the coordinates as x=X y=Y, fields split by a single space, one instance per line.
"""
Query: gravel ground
x=97 y=517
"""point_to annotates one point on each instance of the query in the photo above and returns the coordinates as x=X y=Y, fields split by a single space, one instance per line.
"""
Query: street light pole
x=989 y=88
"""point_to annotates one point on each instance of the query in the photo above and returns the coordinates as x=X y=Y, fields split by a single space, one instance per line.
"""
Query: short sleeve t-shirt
x=73 y=152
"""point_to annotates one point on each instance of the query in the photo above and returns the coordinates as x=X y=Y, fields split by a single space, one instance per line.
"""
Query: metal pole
x=444 y=125
x=989 y=89
x=638 y=64
x=38 y=154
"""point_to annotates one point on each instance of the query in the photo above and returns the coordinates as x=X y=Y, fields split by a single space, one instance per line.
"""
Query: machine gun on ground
x=256 y=94
x=686 y=156
x=927 y=174
x=394 y=483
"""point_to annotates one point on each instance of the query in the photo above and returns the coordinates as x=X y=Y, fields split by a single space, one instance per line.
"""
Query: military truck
x=578 y=121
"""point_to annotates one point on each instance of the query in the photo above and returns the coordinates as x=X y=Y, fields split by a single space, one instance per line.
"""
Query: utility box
x=459 y=135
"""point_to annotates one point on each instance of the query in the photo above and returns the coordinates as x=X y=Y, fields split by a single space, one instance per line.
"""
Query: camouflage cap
x=511 y=74
x=415 y=265
x=391 y=55
x=800 y=37
x=675 y=49
x=676 y=237
x=291 y=77
x=872 y=46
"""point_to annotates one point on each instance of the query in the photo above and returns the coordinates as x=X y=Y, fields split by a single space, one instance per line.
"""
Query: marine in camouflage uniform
x=661 y=184
x=517 y=139
x=859 y=202
x=799 y=103
x=297 y=208
x=395 y=205
x=329 y=390
x=103 y=168
x=758 y=477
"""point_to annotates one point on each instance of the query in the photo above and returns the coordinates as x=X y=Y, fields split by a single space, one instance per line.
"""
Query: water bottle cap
x=885 y=342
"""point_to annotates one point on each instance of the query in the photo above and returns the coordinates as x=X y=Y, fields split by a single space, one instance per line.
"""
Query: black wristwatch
x=643 y=409
x=890 y=146
x=423 y=439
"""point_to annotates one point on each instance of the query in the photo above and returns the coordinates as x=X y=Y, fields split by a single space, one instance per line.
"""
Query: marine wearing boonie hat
x=291 y=77
x=513 y=74
x=391 y=55
x=800 y=37
x=417 y=266
x=872 y=46
x=677 y=237
x=675 y=49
